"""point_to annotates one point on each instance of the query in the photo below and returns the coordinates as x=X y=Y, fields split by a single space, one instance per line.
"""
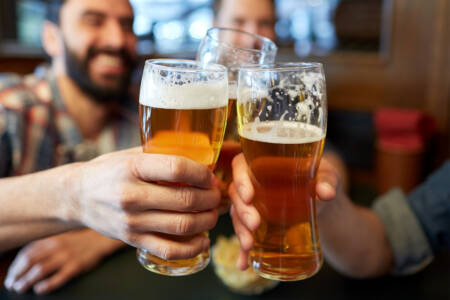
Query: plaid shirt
x=37 y=132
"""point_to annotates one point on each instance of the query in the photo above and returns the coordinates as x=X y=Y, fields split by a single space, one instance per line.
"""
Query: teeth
x=109 y=60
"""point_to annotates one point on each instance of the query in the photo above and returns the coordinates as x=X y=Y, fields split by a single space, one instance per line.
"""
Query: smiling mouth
x=109 y=61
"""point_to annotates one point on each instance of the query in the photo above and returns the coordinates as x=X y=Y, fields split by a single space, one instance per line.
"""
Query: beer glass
x=182 y=111
x=233 y=48
x=282 y=117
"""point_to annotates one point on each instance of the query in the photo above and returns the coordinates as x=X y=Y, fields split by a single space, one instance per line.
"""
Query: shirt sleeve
x=431 y=204
x=410 y=246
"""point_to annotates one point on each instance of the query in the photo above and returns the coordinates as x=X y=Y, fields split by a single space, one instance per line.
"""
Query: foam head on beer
x=293 y=98
x=185 y=89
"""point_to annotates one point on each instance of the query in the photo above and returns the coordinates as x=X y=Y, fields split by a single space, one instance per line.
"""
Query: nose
x=113 y=35
x=251 y=27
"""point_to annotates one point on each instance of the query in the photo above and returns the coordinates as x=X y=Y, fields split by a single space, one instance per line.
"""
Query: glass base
x=178 y=267
x=289 y=270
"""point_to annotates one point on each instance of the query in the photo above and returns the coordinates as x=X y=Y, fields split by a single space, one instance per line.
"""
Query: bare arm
x=33 y=207
x=353 y=239
x=115 y=194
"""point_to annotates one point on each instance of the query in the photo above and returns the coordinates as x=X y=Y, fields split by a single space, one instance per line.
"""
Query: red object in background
x=401 y=142
x=395 y=122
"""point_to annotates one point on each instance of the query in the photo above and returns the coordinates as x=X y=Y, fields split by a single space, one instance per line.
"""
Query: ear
x=52 y=39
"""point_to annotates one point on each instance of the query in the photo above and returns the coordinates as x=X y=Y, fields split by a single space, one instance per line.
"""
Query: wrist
x=69 y=188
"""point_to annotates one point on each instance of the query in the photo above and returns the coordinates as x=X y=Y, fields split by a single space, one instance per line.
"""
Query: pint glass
x=282 y=124
x=233 y=48
x=182 y=111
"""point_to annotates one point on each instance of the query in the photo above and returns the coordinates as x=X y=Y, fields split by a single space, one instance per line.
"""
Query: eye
x=238 y=21
x=127 y=25
x=93 y=20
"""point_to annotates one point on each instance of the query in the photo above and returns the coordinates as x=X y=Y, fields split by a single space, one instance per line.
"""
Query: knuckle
x=166 y=252
x=186 y=198
x=177 y=167
x=127 y=201
x=132 y=238
x=184 y=224
x=130 y=223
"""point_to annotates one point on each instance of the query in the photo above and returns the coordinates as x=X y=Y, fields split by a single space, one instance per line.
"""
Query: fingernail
x=215 y=182
x=243 y=192
x=8 y=282
x=327 y=186
x=39 y=288
x=18 y=286
x=206 y=243
x=248 y=219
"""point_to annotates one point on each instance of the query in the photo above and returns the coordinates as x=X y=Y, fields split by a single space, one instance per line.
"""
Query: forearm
x=353 y=240
x=18 y=234
x=34 y=206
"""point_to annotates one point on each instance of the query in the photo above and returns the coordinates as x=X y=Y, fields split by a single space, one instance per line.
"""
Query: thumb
x=327 y=185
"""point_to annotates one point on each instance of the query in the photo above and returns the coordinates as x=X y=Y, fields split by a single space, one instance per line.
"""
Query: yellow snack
x=224 y=255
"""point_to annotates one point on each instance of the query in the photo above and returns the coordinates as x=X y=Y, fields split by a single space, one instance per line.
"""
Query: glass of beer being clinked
x=282 y=116
x=233 y=48
x=182 y=111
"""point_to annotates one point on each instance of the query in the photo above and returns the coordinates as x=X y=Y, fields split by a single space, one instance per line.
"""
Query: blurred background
x=377 y=54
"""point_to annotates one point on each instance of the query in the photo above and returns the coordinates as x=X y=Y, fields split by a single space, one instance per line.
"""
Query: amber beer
x=193 y=133
x=182 y=111
x=283 y=158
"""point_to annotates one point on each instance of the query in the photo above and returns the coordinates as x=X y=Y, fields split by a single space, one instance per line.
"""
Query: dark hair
x=53 y=9
x=216 y=5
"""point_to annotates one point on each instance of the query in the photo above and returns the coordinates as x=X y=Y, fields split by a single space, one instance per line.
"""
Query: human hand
x=246 y=218
x=48 y=264
x=120 y=195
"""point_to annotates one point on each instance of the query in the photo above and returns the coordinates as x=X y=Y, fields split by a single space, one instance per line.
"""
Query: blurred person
x=400 y=233
x=254 y=16
x=79 y=108
x=258 y=17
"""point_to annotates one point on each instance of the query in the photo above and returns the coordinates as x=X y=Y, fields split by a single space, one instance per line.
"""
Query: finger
x=170 y=168
x=169 y=248
x=242 y=262
x=38 y=272
x=241 y=179
x=327 y=183
x=244 y=235
x=172 y=198
x=25 y=259
x=247 y=213
x=172 y=223
x=57 y=280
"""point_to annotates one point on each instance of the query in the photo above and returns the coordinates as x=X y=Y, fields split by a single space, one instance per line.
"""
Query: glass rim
x=158 y=63
x=290 y=66
x=273 y=46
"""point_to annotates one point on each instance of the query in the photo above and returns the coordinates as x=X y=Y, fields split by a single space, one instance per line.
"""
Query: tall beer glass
x=233 y=48
x=182 y=111
x=282 y=124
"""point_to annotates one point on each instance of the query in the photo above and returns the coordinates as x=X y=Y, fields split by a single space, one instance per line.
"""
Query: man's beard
x=78 y=71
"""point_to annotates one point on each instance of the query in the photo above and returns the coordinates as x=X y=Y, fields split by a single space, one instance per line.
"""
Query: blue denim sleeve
x=431 y=204
x=410 y=246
